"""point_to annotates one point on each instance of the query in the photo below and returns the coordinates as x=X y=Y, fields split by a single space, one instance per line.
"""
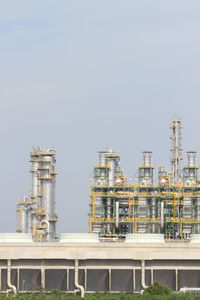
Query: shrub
x=157 y=289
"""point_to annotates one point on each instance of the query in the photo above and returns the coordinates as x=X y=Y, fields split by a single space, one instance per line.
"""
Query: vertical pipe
x=162 y=214
x=153 y=207
x=77 y=285
x=198 y=214
x=117 y=215
x=144 y=286
x=11 y=286
x=108 y=214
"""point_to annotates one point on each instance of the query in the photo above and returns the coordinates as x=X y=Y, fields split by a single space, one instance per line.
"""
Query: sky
x=79 y=76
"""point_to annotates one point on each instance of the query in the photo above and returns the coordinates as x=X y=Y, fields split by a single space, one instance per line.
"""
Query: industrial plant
x=139 y=231
x=169 y=205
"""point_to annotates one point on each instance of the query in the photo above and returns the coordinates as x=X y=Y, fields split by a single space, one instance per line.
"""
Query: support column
x=176 y=280
x=17 y=279
x=109 y=281
x=67 y=279
x=152 y=276
x=0 y=279
x=43 y=277
x=85 y=279
x=133 y=280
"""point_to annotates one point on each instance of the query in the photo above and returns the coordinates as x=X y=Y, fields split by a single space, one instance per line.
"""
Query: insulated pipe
x=117 y=215
x=77 y=285
x=11 y=286
x=144 y=286
x=162 y=214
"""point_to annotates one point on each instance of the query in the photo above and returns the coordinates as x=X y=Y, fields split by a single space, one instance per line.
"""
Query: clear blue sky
x=83 y=75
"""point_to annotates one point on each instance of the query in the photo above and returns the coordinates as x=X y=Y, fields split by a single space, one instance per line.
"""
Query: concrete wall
x=113 y=267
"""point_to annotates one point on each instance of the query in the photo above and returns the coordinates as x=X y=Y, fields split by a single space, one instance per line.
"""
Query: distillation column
x=101 y=180
x=176 y=149
x=36 y=186
x=37 y=212
x=48 y=205
x=145 y=184
x=112 y=159
x=189 y=184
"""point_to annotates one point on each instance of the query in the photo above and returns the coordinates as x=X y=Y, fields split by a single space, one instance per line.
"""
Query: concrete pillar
x=134 y=280
x=67 y=279
x=152 y=276
x=43 y=277
x=109 y=281
x=18 y=279
x=85 y=279
x=176 y=280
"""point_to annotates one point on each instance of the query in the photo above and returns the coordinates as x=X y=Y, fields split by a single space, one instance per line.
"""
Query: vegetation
x=157 y=289
x=153 y=292
x=61 y=296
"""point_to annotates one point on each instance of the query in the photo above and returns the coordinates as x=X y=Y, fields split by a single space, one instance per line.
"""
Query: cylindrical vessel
x=147 y=158
x=112 y=172
x=191 y=158
x=48 y=192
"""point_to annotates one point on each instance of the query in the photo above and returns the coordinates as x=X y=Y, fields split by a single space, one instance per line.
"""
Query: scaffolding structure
x=170 y=206
x=37 y=211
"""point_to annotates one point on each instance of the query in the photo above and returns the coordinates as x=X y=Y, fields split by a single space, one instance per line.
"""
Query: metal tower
x=176 y=149
x=37 y=211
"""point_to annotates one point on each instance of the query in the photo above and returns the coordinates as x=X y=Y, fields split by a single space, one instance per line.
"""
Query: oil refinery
x=168 y=206
x=139 y=231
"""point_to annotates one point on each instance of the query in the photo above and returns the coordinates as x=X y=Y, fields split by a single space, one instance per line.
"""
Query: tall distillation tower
x=176 y=148
x=37 y=212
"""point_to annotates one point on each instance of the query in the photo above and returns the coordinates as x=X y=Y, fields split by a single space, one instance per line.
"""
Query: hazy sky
x=83 y=75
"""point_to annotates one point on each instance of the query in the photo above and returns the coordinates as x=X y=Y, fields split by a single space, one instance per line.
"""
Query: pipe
x=153 y=204
x=77 y=285
x=144 y=286
x=162 y=214
x=11 y=286
x=117 y=215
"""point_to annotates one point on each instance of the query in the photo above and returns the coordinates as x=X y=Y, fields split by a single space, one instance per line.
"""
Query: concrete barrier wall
x=99 y=275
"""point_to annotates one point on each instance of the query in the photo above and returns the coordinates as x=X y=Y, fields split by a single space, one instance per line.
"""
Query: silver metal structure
x=37 y=212
x=176 y=148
